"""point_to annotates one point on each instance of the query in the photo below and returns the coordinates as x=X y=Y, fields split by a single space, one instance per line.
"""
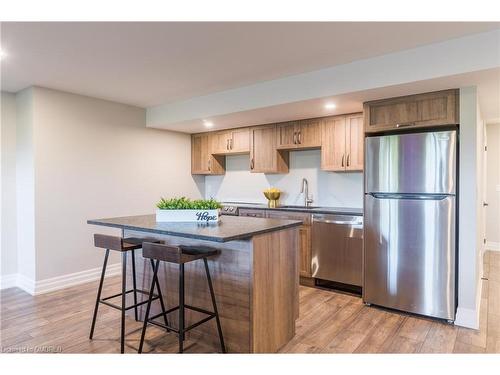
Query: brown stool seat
x=120 y=244
x=199 y=250
x=176 y=254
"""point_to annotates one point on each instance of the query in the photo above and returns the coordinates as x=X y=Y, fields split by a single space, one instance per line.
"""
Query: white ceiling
x=487 y=82
x=147 y=64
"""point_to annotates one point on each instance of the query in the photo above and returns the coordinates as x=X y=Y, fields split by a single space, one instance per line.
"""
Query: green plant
x=184 y=203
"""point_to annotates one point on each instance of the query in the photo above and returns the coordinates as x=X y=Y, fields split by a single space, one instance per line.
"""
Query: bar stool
x=124 y=245
x=179 y=255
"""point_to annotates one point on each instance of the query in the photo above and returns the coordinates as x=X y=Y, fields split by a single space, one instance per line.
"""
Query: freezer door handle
x=432 y=197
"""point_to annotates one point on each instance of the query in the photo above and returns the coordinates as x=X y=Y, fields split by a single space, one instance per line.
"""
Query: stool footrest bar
x=128 y=307
x=127 y=292
x=170 y=328
x=199 y=322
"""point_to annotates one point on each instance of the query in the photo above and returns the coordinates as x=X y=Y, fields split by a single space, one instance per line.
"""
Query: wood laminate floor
x=329 y=322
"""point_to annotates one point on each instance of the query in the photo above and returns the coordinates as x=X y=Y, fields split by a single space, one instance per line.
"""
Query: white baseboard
x=55 y=283
x=493 y=246
x=8 y=281
x=469 y=318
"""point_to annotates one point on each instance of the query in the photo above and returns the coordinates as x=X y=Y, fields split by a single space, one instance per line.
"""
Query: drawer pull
x=405 y=124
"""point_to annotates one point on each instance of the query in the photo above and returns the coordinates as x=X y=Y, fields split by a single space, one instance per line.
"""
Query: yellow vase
x=272 y=198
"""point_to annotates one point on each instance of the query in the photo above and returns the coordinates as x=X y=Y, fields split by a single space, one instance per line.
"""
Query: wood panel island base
x=255 y=277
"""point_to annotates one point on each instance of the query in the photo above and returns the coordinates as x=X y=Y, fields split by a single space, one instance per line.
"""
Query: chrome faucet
x=305 y=190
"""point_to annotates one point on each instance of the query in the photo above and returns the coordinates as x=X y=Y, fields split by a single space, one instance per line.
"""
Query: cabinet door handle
x=231 y=143
x=405 y=124
x=342 y=164
x=227 y=144
x=294 y=138
x=209 y=164
x=300 y=137
x=251 y=164
x=348 y=155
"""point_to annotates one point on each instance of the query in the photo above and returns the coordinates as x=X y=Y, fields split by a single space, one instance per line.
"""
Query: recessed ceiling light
x=330 y=106
x=208 y=124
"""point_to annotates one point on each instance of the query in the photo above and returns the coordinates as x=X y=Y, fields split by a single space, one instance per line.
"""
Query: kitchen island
x=255 y=276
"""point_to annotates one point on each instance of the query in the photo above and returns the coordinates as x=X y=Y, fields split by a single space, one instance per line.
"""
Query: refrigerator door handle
x=434 y=197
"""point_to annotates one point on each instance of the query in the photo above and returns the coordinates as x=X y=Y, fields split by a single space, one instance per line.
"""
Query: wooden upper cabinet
x=333 y=149
x=202 y=160
x=298 y=134
x=264 y=156
x=286 y=135
x=309 y=133
x=414 y=111
x=342 y=143
x=231 y=142
x=240 y=141
x=354 y=142
x=220 y=142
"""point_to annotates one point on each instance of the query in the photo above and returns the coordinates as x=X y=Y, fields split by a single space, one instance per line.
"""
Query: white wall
x=327 y=188
x=81 y=158
x=470 y=206
x=9 y=225
x=96 y=159
x=493 y=187
x=25 y=186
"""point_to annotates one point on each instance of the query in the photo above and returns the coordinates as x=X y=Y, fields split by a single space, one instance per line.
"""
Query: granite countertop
x=312 y=210
x=229 y=228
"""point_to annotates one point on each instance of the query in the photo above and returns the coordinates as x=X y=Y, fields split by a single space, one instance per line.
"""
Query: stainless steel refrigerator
x=409 y=225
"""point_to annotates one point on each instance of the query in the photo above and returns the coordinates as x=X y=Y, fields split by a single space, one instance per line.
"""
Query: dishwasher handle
x=340 y=222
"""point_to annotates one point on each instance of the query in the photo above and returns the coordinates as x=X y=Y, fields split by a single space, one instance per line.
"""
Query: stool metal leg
x=212 y=294
x=181 y=308
x=150 y=299
x=134 y=283
x=103 y=272
x=160 y=297
x=124 y=290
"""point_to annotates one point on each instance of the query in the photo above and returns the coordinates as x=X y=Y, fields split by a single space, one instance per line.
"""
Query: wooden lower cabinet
x=304 y=234
x=305 y=251
x=252 y=212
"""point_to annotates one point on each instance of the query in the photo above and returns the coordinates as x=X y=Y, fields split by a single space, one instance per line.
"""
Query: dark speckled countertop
x=229 y=228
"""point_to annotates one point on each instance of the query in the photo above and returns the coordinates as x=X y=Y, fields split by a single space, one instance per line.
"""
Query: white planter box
x=195 y=216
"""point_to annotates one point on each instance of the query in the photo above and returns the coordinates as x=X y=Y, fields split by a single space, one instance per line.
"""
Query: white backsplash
x=327 y=188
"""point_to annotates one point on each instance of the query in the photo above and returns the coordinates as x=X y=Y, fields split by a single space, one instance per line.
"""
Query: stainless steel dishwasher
x=337 y=248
